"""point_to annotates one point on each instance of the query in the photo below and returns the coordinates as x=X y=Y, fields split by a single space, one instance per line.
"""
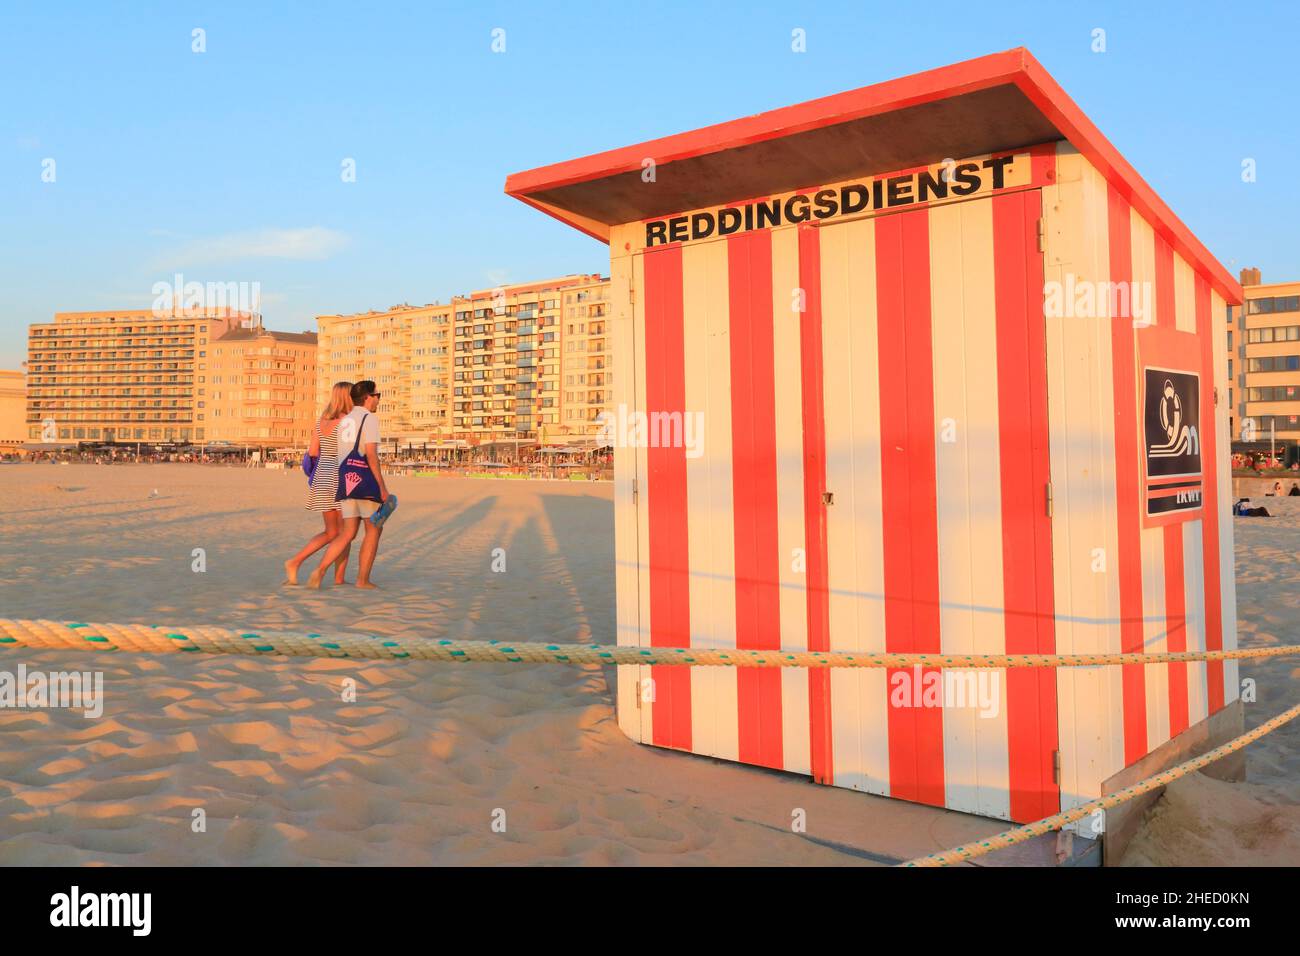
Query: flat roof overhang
x=999 y=102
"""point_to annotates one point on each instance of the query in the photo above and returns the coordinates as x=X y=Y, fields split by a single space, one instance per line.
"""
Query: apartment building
x=378 y=346
x=587 y=370
x=429 y=386
x=125 y=375
x=513 y=352
x=519 y=363
x=258 y=387
x=1264 y=360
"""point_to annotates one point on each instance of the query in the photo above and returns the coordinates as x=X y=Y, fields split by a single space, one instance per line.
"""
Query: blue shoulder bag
x=356 y=480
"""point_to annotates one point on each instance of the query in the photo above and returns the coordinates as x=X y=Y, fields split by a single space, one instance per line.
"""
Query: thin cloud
x=310 y=243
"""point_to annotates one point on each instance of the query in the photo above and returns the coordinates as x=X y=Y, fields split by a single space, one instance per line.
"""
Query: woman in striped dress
x=324 y=483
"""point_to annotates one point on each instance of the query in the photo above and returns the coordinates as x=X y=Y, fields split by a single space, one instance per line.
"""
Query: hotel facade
x=180 y=378
x=120 y=376
x=1264 y=361
x=13 y=409
x=257 y=387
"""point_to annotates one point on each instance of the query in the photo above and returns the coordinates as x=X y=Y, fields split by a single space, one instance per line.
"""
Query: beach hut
x=924 y=367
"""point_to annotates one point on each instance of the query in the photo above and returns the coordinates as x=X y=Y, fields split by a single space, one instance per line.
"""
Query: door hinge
x=1056 y=767
x=1042 y=234
x=1049 y=499
x=634 y=490
x=828 y=498
x=631 y=293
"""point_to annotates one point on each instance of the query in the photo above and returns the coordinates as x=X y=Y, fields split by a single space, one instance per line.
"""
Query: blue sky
x=225 y=165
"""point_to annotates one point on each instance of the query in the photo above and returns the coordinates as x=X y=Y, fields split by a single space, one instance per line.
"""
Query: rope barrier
x=969 y=851
x=158 y=639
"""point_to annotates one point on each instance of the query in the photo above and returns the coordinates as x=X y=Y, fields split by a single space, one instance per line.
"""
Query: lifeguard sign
x=918 y=438
x=1171 y=401
x=1176 y=395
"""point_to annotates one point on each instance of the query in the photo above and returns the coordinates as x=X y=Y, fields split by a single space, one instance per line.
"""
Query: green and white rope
x=978 y=848
x=160 y=639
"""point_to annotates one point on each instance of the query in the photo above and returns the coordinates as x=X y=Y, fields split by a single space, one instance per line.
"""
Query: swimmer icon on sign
x=1172 y=402
x=1182 y=438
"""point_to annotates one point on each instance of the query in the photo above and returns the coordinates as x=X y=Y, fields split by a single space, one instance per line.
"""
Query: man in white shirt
x=361 y=420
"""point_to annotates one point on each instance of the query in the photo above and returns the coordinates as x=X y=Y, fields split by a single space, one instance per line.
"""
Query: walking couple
x=347 y=485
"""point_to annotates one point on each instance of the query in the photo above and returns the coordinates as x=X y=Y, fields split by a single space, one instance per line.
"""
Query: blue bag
x=309 y=466
x=356 y=480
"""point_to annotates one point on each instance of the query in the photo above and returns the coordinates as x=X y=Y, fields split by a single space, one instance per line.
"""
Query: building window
x=1271 y=363
x=1284 y=333
x=1277 y=303
x=1273 y=393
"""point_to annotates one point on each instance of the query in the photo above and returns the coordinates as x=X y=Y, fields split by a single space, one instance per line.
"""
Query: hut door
x=656 y=430
x=721 y=506
x=927 y=339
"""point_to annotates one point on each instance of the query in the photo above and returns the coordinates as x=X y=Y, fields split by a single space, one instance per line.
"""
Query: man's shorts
x=357 y=508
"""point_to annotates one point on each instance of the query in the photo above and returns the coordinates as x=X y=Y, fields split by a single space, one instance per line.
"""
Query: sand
x=1205 y=822
x=418 y=767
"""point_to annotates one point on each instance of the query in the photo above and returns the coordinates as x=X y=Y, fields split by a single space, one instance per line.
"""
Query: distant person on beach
x=1243 y=510
x=1295 y=490
x=361 y=427
x=324 y=484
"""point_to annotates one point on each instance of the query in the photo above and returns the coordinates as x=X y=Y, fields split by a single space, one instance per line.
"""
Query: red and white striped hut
x=925 y=366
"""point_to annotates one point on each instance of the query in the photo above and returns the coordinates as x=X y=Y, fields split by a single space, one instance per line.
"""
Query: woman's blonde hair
x=340 y=402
